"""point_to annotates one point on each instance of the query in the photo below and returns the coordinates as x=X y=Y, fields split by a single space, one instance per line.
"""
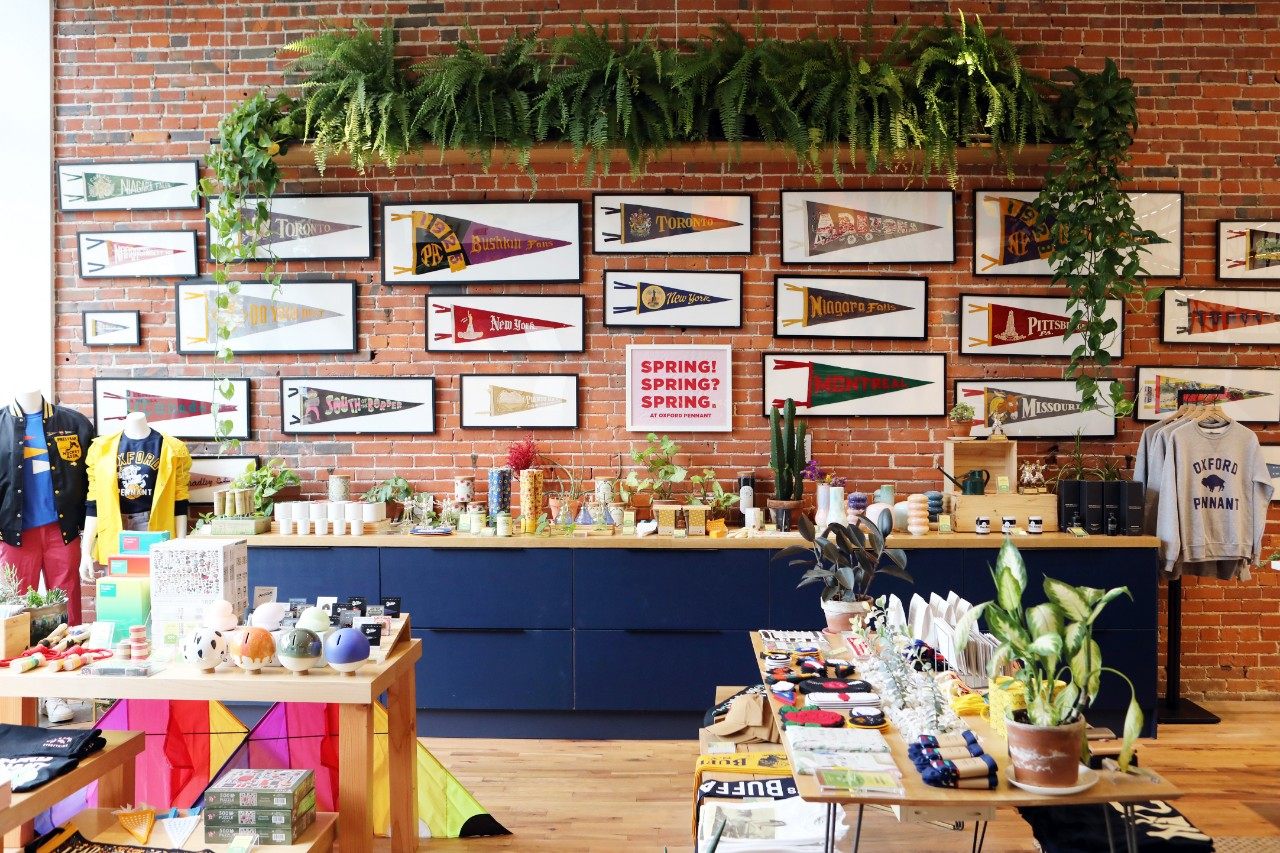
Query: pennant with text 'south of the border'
x=97 y=328
x=1013 y=324
x=510 y=401
x=832 y=227
x=1206 y=317
x=1261 y=249
x=1160 y=393
x=158 y=408
x=287 y=227
x=820 y=305
x=642 y=222
x=478 y=324
x=119 y=254
x=449 y=243
x=1024 y=235
x=248 y=315
x=101 y=186
x=320 y=406
x=659 y=297
x=828 y=384
x=1015 y=407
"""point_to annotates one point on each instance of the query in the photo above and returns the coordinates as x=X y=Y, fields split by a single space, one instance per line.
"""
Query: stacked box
x=141 y=541
x=188 y=574
x=267 y=835
x=277 y=805
x=124 y=600
x=136 y=565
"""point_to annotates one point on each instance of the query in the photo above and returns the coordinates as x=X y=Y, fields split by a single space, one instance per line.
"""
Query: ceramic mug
x=982 y=524
x=1035 y=524
x=1007 y=523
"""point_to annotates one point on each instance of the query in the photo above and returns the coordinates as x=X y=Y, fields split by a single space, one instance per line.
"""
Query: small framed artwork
x=671 y=224
x=1271 y=455
x=1250 y=395
x=129 y=185
x=519 y=401
x=820 y=306
x=301 y=317
x=182 y=408
x=829 y=384
x=137 y=254
x=505 y=323
x=111 y=328
x=679 y=388
x=353 y=405
x=1221 y=316
x=1027 y=325
x=868 y=227
x=1032 y=408
x=1248 y=249
x=313 y=227
x=211 y=473
x=684 y=300
x=481 y=242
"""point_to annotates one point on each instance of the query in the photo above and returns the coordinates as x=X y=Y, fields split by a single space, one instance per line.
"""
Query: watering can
x=971 y=482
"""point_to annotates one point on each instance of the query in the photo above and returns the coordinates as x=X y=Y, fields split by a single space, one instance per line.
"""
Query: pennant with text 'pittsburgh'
x=1013 y=324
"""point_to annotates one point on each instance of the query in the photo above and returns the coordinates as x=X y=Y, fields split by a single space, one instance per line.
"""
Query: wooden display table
x=100 y=825
x=354 y=695
x=111 y=768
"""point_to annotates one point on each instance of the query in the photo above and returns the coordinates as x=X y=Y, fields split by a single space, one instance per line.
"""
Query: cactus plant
x=786 y=453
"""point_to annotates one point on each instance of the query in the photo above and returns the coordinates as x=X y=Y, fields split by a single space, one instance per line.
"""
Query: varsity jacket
x=68 y=435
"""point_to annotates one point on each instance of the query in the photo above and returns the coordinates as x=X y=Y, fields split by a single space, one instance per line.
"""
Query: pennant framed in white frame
x=506 y=323
x=832 y=384
x=111 y=328
x=671 y=223
x=352 y=405
x=821 y=306
x=1221 y=316
x=1027 y=325
x=129 y=185
x=212 y=473
x=519 y=400
x=301 y=317
x=868 y=227
x=1247 y=249
x=137 y=254
x=180 y=407
x=1251 y=394
x=672 y=299
x=482 y=242
x=312 y=227
x=1033 y=408
x=1271 y=455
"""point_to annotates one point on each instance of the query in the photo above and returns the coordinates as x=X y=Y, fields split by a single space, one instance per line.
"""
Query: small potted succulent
x=961 y=418
x=1275 y=560
x=48 y=611
x=395 y=492
x=711 y=494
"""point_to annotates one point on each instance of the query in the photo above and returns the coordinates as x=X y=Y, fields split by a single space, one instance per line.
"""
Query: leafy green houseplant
x=395 y=492
x=711 y=494
x=1051 y=642
x=661 y=473
x=786 y=459
x=961 y=417
x=268 y=484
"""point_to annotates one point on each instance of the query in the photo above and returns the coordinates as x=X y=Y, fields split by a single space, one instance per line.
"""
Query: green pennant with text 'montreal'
x=829 y=384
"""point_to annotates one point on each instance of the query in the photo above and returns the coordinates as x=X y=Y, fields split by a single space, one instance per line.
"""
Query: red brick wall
x=148 y=79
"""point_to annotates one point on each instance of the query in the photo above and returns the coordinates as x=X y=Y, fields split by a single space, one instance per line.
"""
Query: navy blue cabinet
x=306 y=572
x=495 y=670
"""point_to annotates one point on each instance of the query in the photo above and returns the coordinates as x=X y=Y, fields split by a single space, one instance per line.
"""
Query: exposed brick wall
x=147 y=79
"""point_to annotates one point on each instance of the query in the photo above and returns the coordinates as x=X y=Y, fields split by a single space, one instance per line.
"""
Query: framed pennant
x=818 y=306
x=481 y=242
x=671 y=224
x=1032 y=408
x=211 y=473
x=858 y=384
x=137 y=254
x=686 y=300
x=182 y=408
x=868 y=227
x=129 y=185
x=1271 y=455
x=1161 y=213
x=679 y=388
x=312 y=227
x=111 y=328
x=519 y=401
x=1026 y=325
x=1250 y=395
x=1248 y=249
x=300 y=317
x=1221 y=316
x=505 y=323
x=352 y=405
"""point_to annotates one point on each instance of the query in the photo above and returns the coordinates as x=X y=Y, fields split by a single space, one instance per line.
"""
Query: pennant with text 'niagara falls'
x=471 y=324
x=1015 y=407
x=286 y=227
x=1255 y=249
x=659 y=297
x=119 y=253
x=827 y=384
x=1024 y=234
x=321 y=406
x=832 y=228
x=641 y=222
x=159 y=408
x=510 y=401
x=831 y=306
x=454 y=244
x=102 y=186
x=1206 y=317
x=249 y=315
x=1013 y=324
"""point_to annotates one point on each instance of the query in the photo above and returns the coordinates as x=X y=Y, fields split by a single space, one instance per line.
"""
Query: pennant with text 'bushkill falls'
x=477 y=324
x=1016 y=407
x=1160 y=393
x=833 y=228
x=510 y=401
x=831 y=306
x=287 y=227
x=1012 y=324
x=828 y=383
x=100 y=186
x=1024 y=234
x=1205 y=317
x=249 y=315
x=320 y=406
x=640 y=222
x=1261 y=249
x=447 y=242
x=158 y=408
x=659 y=297
x=119 y=253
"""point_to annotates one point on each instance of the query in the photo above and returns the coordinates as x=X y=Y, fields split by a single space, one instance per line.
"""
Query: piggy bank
x=251 y=648
x=314 y=619
x=299 y=650
x=220 y=616
x=269 y=615
x=346 y=650
x=205 y=648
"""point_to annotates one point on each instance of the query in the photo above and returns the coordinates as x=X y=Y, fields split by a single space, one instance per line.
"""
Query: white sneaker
x=58 y=711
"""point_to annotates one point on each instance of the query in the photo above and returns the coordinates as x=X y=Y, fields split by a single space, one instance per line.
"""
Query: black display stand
x=1174 y=708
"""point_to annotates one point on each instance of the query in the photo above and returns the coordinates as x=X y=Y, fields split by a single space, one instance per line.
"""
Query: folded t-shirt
x=22 y=741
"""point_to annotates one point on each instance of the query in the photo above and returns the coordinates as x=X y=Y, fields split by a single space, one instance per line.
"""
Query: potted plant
x=1050 y=641
x=845 y=558
x=961 y=418
x=270 y=483
x=1274 y=559
x=569 y=493
x=657 y=458
x=48 y=611
x=395 y=492
x=711 y=494
x=15 y=621
x=786 y=458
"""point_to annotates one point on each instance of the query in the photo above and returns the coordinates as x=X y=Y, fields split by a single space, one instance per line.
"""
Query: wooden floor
x=613 y=796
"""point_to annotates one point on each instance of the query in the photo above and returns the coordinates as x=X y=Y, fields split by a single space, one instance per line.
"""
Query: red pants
x=42 y=548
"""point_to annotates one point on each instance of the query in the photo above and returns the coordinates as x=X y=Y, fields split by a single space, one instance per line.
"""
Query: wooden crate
x=998 y=458
x=969 y=507
x=233 y=526
x=15 y=637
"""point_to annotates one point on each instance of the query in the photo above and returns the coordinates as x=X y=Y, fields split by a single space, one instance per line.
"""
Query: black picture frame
x=187 y=350
x=189 y=202
x=1173 y=368
x=1173 y=292
x=989 y=380
x=942 y=381
x=750 y=224
x=368 y=197
x=922 y=281
x=782 y=229
x=606 y=280
x=87 y=315
x=995 y=353
x=1218 y=252
x=434 y=299
x=285 y=426
x=463 y=395
x=125 y=236
x=242 y=382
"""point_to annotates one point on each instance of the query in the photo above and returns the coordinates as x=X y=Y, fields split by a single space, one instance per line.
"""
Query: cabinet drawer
x=670 y=589
x=495 y=670
x=658 y=670
x=302 y=572
x=1134 y=654
x=489 y=588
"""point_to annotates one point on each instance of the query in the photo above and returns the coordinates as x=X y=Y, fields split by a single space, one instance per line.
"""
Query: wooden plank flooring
x=612 y=796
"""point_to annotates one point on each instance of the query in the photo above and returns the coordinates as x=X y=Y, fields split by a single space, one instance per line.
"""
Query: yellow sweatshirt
x=172 y=479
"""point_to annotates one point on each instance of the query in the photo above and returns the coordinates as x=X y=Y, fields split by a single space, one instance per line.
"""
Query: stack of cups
x=220 y=502
x=371 y=514
x=301 y=518
x=338 y=517
x=139 y=648
x=319 y=513
x=857 y=505
x=355 y=519
x=284 y=517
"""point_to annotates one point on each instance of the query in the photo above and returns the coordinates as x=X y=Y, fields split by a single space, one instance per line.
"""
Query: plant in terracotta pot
x=1050 y=641
x=566 y=494
x=845 y=559
x=711 y=494
x=661 y=473
x=786 y=458
x=394 y=491
x=961 y=418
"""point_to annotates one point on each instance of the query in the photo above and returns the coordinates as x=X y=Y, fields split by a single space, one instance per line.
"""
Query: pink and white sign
x=679 y=388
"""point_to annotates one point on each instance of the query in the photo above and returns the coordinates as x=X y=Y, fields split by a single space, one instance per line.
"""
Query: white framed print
x=481 y=242
x=182 y=408
x=212 y=473
x=679 y=388
x=1027 y=325
x=1250 y=395
x=519 y=401
x=1032 y=408
x=868 y=227
x=830 y=384
x=301 y=317
x=684 y=300
x=1248 y=249
x=136 y=254
x=671 y=224
x=1160 y=213
x=311 y=227
x=111 y=328
x=506 y=323
x=129 y=185
x=828 y=306
x=1271 y=455
x=1221 y=316
x=352 y=405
